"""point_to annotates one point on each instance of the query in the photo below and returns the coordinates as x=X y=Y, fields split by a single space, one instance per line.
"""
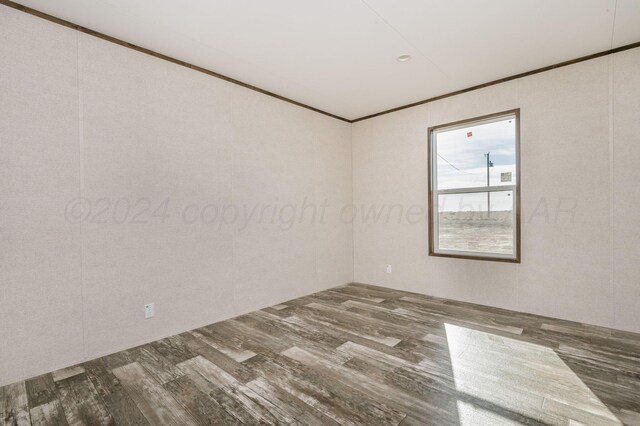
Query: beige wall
x=83 y=117
x=580 y=140
x=80 y=117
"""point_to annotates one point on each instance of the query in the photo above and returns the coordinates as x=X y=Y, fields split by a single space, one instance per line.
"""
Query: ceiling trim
x=504 y=79
x=150 y=52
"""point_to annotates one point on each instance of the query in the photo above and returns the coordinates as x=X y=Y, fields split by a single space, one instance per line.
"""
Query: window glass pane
x=462 y=155
x=465 y=223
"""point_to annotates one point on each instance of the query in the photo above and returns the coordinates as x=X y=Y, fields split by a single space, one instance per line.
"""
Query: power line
x=449 y=163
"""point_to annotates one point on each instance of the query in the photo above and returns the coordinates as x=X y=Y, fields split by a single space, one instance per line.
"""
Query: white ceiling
x=339 y=55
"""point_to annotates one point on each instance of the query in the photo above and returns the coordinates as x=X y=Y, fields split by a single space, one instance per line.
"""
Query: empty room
x=340 y=212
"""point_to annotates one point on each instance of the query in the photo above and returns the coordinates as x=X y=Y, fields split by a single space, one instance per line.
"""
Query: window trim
x=431 y=169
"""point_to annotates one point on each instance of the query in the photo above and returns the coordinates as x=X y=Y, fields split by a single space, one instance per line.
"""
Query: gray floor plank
x=44 y=405
x=121 y=406
x=201 y=370
x=352 y=355
x=14 y=406
x=203 y=406
x=155 y=403
x=81 y=403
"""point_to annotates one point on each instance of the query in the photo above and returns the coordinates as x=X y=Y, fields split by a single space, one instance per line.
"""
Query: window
x=474 y=188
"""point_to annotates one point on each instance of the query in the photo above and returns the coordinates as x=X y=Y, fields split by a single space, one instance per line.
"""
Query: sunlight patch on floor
x=469 y=414
x=519 y=377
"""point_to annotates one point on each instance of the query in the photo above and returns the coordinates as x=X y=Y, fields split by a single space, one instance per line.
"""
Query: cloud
x=461 y=160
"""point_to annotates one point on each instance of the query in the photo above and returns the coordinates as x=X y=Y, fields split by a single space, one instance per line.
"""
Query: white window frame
x=434 y=193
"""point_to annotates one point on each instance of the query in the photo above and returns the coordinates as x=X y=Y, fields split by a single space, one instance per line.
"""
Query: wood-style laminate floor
x=355 y=354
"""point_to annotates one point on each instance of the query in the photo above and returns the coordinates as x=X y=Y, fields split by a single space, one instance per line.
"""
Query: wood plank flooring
x=352 y=355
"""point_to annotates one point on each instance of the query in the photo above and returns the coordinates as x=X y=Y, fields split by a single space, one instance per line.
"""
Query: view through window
x=474 y=188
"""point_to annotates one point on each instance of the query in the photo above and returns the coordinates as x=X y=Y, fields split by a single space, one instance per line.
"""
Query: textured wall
x=40 y=252
x=580 y=139
x=81 y=117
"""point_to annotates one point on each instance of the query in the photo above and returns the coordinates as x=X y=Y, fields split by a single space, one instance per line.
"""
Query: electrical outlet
x=389 y=269
x=149 y=310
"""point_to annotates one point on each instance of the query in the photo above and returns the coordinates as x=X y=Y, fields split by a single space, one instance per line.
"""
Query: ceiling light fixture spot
x=403 y=58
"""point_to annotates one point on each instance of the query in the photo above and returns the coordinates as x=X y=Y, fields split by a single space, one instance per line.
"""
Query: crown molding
x=211 y=73
x=150 y=52
x=504 y=79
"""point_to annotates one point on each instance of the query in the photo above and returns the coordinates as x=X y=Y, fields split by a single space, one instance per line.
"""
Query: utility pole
x=489 y=164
